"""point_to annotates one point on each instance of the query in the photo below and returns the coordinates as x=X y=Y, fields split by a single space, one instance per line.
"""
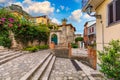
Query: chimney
x=64 y=21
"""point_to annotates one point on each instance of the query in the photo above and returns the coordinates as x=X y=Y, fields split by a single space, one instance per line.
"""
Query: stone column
x=14 y=43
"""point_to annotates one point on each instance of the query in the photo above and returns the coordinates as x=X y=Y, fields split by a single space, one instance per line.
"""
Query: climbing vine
x=24 y=30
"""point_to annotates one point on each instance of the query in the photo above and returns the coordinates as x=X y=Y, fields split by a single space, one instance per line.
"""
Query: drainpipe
x=102 y=34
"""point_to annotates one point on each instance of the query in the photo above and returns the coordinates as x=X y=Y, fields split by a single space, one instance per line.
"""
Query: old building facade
x=64 y=35
x=107 y=20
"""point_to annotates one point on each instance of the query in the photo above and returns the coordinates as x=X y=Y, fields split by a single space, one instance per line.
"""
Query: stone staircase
x=7 y=55
x=42 y=70
x=90 y=73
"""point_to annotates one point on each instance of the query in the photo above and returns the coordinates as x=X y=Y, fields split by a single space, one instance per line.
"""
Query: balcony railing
x=84 y=2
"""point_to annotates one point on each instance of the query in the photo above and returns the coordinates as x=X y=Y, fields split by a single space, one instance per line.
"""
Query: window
x=110 y=13
x=92 y=29
x=114 y=11
x=117 y=10
x=89 y=30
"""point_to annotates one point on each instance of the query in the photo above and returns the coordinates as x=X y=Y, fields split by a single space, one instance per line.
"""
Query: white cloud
x=36 y=8
x=62 y=7
x=75 y=15
x=19 y=3
x=40 y=8
x=6 y=2
x=57 y=10
x=27 y=1
x=86 y=16
x=67 y=8
x=3 y=1
x=54 y=20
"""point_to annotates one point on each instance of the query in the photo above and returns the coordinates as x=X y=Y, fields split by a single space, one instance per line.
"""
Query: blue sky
x=56 y=10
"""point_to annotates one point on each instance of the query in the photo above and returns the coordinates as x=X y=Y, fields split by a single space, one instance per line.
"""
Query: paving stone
x=8 y=78
x=79 y=52
x=64 y=69
x=85 y=78
x=16 y=68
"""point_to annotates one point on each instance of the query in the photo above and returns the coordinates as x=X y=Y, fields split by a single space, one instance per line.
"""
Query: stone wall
x=92 y=55
x=19 y=45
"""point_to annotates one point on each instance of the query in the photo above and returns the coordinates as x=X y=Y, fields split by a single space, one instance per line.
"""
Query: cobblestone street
x=16 y=68
x=39 y=64
x=63 y=69
x=79 y=52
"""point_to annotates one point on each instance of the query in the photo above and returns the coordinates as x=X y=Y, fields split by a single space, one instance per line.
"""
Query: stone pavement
x=16 y=68
x=63 y=69
x=79 y=52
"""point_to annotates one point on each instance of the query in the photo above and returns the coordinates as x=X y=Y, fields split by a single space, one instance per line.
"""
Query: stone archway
x=54 y=38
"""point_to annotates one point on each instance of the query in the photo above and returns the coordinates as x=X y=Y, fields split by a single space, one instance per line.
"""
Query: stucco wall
x=41 y=20
x=110 y=31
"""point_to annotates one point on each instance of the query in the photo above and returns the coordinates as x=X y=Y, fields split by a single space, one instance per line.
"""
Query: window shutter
x=117 y=10
x=110 y=8
x=92 y=29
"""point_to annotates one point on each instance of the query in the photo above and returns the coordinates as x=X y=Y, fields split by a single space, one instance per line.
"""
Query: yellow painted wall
x=110 y=32
x=36 y=19
x=17 y=14
x=41 y=20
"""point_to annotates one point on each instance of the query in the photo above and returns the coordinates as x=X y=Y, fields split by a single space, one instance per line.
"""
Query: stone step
x=89 y=71
x=5 y=52
x=32 y=71
x=41 y=69
x=46 y=74
x=9 y=54
x=10 y=58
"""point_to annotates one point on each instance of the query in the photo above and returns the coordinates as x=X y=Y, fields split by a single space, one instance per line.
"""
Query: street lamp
x=89 y=11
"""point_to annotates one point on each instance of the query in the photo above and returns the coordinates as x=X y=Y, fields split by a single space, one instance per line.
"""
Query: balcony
x=93 y=3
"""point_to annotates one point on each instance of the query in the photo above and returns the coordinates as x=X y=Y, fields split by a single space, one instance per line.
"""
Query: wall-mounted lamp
x=89 y=11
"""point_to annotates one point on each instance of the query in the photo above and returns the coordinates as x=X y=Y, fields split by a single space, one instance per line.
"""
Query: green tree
x=110 y=60
x=64 y=20
x=78 y=39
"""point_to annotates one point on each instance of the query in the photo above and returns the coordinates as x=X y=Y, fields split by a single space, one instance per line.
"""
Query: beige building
x=107 y=13
x=20 y=13
x=64 y=35
x=41 y=19
x=78 y=35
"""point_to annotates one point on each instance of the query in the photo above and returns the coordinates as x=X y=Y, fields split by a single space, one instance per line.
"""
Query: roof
x=91 y=23
x=93 y=3
x=68 y=25
x=44 y=16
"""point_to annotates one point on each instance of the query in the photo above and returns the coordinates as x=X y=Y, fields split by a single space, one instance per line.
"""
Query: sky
x=56 y=10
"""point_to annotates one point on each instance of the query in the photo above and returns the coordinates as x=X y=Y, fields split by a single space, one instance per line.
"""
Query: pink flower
x=3 y=19
x=11 y=20
x=10 y=25
x=19 y=25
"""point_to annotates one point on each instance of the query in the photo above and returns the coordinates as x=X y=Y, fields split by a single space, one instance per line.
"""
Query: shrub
x=74 y=45
x=110 y=60
x=36 y=48
x=43 y=47
x=78 y=39
x=23 y=29
x=31 y=49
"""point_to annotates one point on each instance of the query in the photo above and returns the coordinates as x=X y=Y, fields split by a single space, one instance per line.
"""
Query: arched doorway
x=54 y=38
